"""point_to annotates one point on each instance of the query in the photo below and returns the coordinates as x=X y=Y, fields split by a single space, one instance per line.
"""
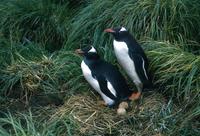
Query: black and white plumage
x=104 y=77
x=131 y=57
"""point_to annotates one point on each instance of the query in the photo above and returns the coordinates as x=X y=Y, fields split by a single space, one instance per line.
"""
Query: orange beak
x=109 y=30
x=79 y=52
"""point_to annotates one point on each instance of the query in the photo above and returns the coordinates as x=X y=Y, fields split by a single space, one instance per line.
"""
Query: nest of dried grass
x=95 y=119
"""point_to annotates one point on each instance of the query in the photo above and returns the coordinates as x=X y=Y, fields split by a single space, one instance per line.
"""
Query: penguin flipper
x=141 y=69
x=104 y=87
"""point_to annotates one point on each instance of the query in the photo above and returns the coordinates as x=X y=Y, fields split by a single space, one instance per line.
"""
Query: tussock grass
x=175 y=70
x=28 y=71
x=41 y=21
x=16 y=126
x=177 y=74
x=10 y=51
x=28 y=124
x=160 y=20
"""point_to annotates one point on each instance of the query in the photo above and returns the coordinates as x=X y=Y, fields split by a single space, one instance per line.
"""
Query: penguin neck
x=92 y=56
x=121 y=36
x=128 y=39
x=92 y=59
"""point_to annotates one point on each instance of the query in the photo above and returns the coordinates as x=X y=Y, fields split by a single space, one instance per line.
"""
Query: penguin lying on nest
x=132 y=58
x=105 y=79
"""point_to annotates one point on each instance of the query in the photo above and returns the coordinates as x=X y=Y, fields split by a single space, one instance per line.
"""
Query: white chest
x=94 y=83
x=121 y=52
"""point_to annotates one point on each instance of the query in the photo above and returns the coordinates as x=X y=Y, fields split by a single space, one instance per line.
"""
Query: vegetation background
x=43 y=92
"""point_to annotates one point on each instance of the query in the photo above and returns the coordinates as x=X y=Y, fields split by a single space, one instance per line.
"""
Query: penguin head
x=89 y=52
x=118 y=33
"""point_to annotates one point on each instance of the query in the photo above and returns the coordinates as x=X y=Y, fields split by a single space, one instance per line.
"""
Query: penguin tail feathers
x=148 y=86
x=123 y=106
x=153 y=87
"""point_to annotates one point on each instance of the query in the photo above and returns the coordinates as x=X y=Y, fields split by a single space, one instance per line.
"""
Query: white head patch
x=123 y=29
x=92 y=49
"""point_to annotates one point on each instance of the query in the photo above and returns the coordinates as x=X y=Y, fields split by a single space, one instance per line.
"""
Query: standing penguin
x=132 y=58
x=104 y=78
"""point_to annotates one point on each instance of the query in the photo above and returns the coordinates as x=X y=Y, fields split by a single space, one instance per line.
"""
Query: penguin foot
x=135 y=96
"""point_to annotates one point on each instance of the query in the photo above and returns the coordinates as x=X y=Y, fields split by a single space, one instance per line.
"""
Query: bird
x=132 y=58
x=105 y=78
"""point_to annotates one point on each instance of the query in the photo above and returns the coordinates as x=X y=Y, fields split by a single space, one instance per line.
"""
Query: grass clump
x=167 y=20
x=175 y=70
x=31 y=71
x=41 y=21
x=10 y=51
x=27 y=124
x=177 y=74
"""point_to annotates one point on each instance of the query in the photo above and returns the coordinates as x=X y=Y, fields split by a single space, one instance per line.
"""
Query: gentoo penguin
x=104 y=77
x=132 y=58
